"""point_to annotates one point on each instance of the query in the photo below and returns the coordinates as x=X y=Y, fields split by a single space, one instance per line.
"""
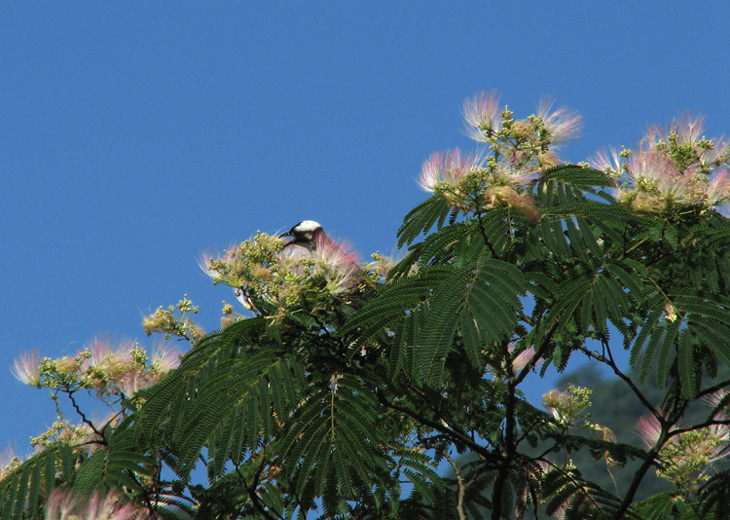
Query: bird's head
x=304 y=234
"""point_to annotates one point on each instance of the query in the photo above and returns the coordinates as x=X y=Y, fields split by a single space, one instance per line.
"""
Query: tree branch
x=484 y=236
x=251 y=490
x=626 y=379
x=84 y=419
x=715 y=388
x=484 y=453
x=678 y=406
x=461 y=485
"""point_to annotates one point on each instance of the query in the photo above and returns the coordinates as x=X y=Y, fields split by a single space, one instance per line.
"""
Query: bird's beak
x=287 y=234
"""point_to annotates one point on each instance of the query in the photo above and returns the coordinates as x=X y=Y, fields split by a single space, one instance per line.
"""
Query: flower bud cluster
x=571 y=409
x=568 y=407
x=377 y=270
x=9 y=461
x=173 y=321
x=62 y=431
x=271 y=280
x=255 y=270
x=687 y=459
x=688 y=456
x=518 y=150
x=110 y=368
x=229 y=315
x=674 y=167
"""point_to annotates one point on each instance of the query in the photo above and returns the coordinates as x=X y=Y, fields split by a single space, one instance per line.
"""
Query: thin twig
x=626 y=379
x=484 y=236
x=677 y=409
x=483 y=452
x=715 y=388
x=462 y=487
x=251 y=490
x=84 y=419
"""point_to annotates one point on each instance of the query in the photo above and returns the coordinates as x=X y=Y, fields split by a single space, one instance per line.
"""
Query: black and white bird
x=305 y=234
x=333 y=258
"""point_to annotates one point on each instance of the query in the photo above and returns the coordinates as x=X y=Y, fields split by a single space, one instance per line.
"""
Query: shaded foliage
x=344 y=394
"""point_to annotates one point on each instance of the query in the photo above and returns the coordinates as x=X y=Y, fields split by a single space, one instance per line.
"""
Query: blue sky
x=134 y=135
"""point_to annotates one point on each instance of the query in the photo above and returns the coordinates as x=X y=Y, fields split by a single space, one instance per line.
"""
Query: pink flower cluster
x=688 y=455
x=27 y=368
x=562 y=124
x=263 y=270
x=674 y=165
x=62 y=506
x=448 y=167
x=485 y=119
x=108 y=366
x=338 y=263
x=481 y=114
x=518 y=150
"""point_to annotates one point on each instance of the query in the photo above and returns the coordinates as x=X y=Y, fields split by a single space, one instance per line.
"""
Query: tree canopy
x=337 y=388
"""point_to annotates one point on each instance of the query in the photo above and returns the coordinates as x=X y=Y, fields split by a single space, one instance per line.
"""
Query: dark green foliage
x=21 y=491
x=340 y=407
x=226 y=399
x=715 y=497
x=422 y=218
x=119 y=465
x=304 y=412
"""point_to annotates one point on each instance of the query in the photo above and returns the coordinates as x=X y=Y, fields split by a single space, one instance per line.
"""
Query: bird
x=333 y=259
x=307 y=234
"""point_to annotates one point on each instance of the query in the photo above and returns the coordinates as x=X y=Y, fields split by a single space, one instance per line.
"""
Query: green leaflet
x=390 y=304
x=114 y=467
x=237 y=398
x=338 y=427
x=20 y=489
x=422 y=218
x=578 y=176
x=486 y=297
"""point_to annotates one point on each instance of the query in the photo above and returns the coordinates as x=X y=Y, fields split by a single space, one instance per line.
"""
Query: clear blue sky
x=134 y=135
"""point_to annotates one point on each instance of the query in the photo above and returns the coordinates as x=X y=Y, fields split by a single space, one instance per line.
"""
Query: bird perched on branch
x=342 y=264
x=307 y=233
x=335 y=259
